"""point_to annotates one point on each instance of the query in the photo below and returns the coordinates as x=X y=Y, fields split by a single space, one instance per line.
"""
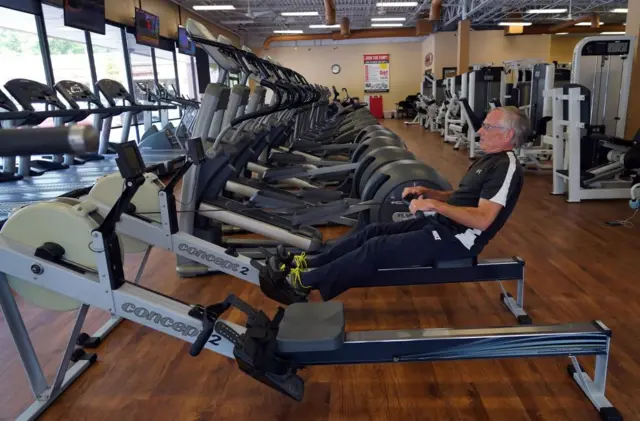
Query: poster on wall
x=376 y=73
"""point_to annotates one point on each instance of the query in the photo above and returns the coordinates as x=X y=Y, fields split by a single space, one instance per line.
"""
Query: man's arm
x=478 y=218
x=440 y=195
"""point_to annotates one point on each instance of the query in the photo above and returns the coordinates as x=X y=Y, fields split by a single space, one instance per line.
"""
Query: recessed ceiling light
x=586 y=24
x=214 y=7
x=387 y=25
x=299 y=13
x=323 y=26
x=550 y=11
x=515 y=24
x=613 y=33
x=388 y=19
x=398 y=4
x=288 y=31
x=621 y=10
x=562 y=33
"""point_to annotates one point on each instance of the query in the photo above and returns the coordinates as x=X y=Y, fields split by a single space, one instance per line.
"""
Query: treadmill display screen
x=185 y=45
x=86 y=15
x=147 y=28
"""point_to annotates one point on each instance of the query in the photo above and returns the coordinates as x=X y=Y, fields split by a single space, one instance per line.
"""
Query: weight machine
x=589 y=151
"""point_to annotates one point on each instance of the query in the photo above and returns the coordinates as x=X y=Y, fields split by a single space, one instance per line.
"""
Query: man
x=464 y=221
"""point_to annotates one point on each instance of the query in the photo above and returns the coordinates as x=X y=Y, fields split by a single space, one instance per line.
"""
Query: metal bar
x=20 y=335
x=127 y=66
x=71 y=344
x=44 y=50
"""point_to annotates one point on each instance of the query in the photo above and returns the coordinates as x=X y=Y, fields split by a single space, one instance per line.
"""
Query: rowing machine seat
x=308 y=327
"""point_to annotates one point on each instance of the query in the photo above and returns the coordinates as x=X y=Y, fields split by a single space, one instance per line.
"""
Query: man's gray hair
x=515 y=119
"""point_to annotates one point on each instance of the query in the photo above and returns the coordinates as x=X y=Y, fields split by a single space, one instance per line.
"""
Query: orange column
x=464 y=27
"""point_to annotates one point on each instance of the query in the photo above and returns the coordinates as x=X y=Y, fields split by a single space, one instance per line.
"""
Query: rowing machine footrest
x=311 y=327
x=448 y=264
x=320 y=195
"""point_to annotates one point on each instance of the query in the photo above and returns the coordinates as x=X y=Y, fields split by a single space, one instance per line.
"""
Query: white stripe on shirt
x=501 y=196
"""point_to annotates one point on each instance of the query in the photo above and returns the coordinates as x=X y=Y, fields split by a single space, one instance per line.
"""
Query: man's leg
x=355 y=240
x=353 y=269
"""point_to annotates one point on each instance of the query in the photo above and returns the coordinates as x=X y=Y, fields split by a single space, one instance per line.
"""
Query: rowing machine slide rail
x=306 y=334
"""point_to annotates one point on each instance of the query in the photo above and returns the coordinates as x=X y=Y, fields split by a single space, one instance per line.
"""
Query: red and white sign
x=376 y=73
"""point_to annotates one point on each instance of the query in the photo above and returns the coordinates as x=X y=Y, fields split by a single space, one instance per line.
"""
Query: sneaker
x=291 y=275
x=291 y=260
x=275 y=284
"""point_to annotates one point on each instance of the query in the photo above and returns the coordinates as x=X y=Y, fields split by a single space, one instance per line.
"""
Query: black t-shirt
x=496 y=177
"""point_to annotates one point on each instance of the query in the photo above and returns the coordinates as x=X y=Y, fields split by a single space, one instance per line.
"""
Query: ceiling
x=265 y=14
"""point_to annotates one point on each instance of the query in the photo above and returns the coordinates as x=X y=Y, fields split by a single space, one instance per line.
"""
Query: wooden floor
x=578 y=269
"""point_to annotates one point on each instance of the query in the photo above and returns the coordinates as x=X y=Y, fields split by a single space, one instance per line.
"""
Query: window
x=186 y=75
x=108 y=55
x=233 y=80
x=68 y=48
x=19 y=47
x=214 y=70
x=167 y=75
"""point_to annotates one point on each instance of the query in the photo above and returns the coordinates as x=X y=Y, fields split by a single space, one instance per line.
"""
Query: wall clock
x=335 y=69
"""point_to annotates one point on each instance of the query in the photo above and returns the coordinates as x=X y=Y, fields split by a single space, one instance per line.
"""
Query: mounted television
x=86 y=15
x=185 y=45
x=28 y=6
x=147 y=28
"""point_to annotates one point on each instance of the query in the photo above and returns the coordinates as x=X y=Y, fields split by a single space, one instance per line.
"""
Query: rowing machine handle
x=408 y=198
x=51 y=140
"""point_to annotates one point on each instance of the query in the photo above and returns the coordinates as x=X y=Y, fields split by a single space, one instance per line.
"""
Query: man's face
x=494 y=136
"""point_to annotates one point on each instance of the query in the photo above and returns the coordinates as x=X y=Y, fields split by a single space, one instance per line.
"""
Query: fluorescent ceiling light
x=562 y=33
x=288 y=31
x=236 y=22
x=398 y=4
x=550 y=11
x=515 y=24
x=586 y=24
x=386 y=25
x=214 y=7
x=620 y=11
x=388 y=19
x=613 y=33
x=299 y=13
x=323 y=26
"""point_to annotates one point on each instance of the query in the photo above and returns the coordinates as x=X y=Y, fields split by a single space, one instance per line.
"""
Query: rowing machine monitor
x=195 y=150
x=129 y=160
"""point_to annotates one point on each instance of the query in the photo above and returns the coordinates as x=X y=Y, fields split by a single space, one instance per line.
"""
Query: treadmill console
x=6 y=104
x=114 y=91
x=74 y=92
x=28 y=92
x=130 y=162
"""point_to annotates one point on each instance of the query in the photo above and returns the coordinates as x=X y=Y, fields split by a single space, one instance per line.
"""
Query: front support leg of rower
x=516 y=305
x=595 y=389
